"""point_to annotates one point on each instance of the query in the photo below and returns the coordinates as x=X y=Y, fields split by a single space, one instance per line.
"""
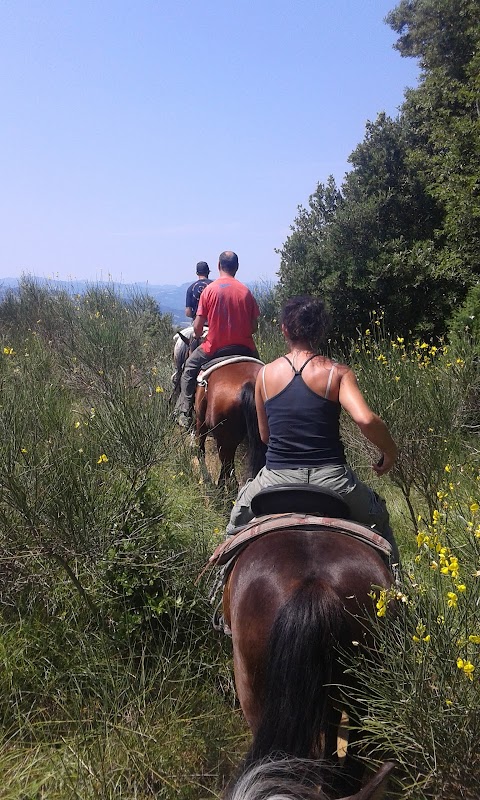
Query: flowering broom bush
x=421 y=688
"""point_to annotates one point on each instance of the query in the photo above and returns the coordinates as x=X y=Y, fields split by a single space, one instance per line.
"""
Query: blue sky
x=138 y=138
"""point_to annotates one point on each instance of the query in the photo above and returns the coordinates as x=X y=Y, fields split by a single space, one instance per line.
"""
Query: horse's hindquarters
x=295 y=596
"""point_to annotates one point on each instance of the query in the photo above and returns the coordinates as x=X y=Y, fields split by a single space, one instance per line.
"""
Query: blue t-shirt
x=193 y=294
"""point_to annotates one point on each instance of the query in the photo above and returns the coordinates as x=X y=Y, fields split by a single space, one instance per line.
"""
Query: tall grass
x=113 y=684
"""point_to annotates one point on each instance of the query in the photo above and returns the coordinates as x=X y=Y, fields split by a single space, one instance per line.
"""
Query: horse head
x=297 y=779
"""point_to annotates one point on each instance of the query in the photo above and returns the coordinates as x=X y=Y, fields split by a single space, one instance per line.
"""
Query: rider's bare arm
x=371 y=425
x=198 y=324
x=261 y=413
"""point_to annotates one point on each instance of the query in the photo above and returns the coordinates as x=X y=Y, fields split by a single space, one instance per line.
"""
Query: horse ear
x=375 y=784
x=183 y=338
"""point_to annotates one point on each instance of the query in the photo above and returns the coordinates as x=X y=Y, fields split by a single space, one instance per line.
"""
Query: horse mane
x=256 y=448
x=282 y=779
x=297 y=779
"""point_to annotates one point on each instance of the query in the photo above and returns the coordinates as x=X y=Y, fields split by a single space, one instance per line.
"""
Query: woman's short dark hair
x=306 y=320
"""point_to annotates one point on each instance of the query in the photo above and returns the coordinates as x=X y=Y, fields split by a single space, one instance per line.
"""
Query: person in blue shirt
x=195 y=289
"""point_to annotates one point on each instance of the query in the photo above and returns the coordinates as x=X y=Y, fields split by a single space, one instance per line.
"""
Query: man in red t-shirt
x=232 y=314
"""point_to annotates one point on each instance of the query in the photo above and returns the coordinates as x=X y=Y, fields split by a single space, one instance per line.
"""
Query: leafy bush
x=420 y=690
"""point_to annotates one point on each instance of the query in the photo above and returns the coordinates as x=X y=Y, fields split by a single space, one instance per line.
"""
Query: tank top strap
x=329 y=382
x=293 y=368
x=264 y=387
x=305 y=363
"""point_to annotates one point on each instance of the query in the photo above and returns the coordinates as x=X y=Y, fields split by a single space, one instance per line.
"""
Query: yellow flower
x=381 y=608
x=400 y=339
x=103 y=459
x=382 y=603
x=474 y=638
x=419 y=633
x=467 y=667
x=460 y=587
x=158 y=389
x=448 y=702
x=452 y=599
x=24 y=450
x=474 y=508
x=77 y=424
x=422 y=538
x=8 y=351
x=448 y=468
x=367 y=332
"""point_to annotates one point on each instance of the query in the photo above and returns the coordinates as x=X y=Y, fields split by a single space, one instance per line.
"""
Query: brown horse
x=225 y=409
x=295 y=598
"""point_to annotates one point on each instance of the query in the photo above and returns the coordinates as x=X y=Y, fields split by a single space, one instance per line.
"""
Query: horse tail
x=256 y=448
x=300 y=665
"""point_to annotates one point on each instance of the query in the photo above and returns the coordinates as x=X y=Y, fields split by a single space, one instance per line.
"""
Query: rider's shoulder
x=345 y=372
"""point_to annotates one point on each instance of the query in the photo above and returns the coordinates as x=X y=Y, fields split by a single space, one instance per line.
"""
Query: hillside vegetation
x=113 y=682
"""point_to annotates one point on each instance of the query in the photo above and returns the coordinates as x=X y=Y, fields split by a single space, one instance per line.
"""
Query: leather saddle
x=296 y=506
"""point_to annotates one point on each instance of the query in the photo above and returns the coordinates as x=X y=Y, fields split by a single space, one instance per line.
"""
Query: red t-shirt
x=230 y=308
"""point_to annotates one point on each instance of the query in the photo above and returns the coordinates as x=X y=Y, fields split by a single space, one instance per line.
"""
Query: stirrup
x=218 y=621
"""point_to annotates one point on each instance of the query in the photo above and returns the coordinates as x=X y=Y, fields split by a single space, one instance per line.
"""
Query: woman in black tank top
x=299 y=398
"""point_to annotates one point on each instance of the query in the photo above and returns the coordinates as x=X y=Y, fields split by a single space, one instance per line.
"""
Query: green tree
x=403 y=231
x=369 y=249
x=443 y=113
x=303 y=268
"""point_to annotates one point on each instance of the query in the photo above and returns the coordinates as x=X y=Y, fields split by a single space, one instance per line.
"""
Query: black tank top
x=304 y=427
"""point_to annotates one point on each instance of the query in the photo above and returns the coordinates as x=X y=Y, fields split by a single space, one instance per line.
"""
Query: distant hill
x=170 y=299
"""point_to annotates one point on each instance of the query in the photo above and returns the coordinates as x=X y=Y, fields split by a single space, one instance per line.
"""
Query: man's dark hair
x=228 y=262
x=306 y=320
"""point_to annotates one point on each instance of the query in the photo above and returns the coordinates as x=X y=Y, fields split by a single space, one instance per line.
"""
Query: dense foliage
x=113 y=682
x=402 y=234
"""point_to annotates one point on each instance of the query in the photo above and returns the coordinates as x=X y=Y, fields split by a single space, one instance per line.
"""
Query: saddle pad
x=277 y=522
x=216 y=363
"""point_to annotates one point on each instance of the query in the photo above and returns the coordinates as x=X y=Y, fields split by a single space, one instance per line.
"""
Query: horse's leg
x=353 y=769
x=226 y=448
x=247 y=693
x=330 y=749
x=201 y=431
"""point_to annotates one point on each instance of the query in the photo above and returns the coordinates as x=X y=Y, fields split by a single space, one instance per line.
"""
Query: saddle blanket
x=216 y=363
x=260 y=526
